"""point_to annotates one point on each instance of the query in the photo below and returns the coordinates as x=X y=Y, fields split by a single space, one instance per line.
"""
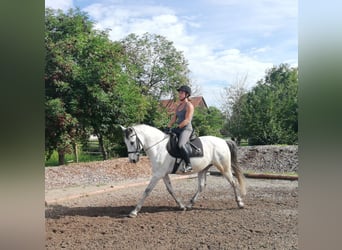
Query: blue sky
x=223 y=40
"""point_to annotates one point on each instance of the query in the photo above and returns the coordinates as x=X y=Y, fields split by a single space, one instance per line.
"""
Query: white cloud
x=59 y=4
x=219 y=45
x=223 y=68
x=211 y=69
x=225 y=64
x=123 y=20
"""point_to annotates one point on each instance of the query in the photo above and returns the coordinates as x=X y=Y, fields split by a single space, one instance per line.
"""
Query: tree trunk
x=75 y=149
x=102 y=147
x=238 y=141
x=61 y=157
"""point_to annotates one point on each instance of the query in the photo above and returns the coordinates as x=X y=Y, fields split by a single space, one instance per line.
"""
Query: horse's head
x=133 y=144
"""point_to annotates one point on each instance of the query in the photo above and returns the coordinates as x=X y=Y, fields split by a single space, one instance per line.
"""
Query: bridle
x=140 y=145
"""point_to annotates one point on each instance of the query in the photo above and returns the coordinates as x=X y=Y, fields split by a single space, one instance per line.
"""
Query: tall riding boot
x=186 y=158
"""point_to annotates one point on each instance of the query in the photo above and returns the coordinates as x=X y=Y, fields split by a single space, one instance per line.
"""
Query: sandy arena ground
x=97 y=219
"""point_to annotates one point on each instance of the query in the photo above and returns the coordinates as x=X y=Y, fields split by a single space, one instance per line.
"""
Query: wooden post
x=74 y=145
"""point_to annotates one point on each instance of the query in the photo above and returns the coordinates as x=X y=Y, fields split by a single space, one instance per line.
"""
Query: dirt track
x=269 y=220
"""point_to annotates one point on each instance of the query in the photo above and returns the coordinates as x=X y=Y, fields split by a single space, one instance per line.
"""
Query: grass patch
x=82 y=157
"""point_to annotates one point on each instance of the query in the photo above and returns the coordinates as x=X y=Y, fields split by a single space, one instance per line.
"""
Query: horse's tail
x=237 y=170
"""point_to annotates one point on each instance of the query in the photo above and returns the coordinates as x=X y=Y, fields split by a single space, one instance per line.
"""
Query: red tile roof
x=170 y=105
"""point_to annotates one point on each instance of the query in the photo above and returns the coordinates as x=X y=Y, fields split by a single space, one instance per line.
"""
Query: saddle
x=193 y=146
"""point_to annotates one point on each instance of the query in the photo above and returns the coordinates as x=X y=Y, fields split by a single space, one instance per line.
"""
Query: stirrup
x=187 y=168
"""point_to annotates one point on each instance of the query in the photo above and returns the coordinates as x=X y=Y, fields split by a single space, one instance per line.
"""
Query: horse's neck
x=149 y=135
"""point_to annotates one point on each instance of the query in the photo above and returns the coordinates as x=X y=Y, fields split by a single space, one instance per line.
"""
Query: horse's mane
x=146 y=126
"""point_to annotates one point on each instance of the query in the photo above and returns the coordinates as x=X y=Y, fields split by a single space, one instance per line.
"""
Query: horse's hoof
x=132 y=215
x=241 y=205
x=183 y=208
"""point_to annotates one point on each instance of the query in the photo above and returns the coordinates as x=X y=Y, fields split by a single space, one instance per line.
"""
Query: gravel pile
x=95 y=173
x=277 y=159
x=259 y=159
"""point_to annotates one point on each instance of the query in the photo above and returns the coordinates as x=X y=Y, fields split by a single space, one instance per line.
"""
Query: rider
x=183 y=117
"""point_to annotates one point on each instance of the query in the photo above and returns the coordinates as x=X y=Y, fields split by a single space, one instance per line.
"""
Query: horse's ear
x=122 y=127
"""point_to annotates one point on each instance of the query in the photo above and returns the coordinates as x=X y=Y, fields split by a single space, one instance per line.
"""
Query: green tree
x=208 y=121
x=155 y=64
x=158 y=69
x=232 y=100
x=234 y=126
x=157 y=115
x=60 y=129
x=85 y=71
x=97 y=84
x=61 y=71
x=270 y=110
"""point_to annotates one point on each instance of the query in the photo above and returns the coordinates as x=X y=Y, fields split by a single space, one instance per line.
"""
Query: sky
x=222 y=40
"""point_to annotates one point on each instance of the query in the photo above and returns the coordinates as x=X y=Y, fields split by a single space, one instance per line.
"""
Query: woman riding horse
x=183 y=117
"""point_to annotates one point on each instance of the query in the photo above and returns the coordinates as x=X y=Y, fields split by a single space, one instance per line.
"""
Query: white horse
x=217 y=152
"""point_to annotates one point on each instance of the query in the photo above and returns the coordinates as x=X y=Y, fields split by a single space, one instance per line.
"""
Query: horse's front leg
x=147 y=191
x=169 y=187
x=202 y=179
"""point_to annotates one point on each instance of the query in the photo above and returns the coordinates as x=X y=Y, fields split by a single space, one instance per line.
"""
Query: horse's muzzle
x=134 y=160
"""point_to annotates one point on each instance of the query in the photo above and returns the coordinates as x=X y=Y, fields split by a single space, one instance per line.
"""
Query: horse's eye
x=132 y=143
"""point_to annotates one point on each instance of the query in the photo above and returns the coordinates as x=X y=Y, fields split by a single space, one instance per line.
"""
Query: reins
x=156 y=143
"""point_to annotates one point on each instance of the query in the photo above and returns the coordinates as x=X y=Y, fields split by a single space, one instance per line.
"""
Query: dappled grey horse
x=216 y=152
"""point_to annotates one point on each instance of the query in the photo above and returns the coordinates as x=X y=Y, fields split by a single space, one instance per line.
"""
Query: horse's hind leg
x=168 y=185
x=147 y=191
x=231 y=180
x=202 y=179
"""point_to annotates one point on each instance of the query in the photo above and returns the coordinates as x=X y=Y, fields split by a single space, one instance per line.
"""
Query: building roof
x=171 y=105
